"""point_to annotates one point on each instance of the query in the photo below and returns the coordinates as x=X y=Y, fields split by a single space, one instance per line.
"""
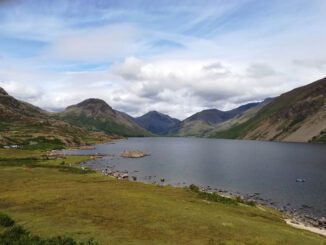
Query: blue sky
x=177 y=57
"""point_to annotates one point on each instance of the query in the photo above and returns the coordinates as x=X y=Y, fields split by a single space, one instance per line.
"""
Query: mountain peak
x=92 y=107
x=92 y=101
x=3 y=92
x=157 y=122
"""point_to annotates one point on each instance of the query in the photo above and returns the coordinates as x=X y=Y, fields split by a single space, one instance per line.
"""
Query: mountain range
x=203 y=122
x=298 y=115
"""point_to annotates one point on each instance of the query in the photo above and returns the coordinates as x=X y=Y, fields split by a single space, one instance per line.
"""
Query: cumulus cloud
x=22 y=91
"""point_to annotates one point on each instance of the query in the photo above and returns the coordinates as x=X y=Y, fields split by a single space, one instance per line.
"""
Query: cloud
x=133 y=55
x=23 y=91
x=260 y=71
x=130 y=69
x=319 y=64
x=96 y=44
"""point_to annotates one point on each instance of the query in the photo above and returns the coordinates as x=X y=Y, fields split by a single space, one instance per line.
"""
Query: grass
x=5 y=220
x=321 y=138
x=49 y=203
x=105 y=125
x=19 y=236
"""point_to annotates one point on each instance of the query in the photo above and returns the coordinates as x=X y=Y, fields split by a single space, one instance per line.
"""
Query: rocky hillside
x=26 y=125
x=157 y=123
x=298 y=115
x=97 y=115
x=202 y=123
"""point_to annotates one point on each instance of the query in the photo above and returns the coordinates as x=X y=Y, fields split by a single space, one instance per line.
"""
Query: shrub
x=240 y=200
x=214 y=197
x=19 y=236
x=194 y=188
x=6 y=221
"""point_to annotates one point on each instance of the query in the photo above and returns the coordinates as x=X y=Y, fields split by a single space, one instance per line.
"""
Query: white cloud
x=227 y=56
x=100 y=44
x=23 y=91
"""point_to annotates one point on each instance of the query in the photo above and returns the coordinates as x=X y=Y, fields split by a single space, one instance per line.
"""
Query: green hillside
x=285 y=115
x=30 y=127
x=97 y=115
x=49 y=198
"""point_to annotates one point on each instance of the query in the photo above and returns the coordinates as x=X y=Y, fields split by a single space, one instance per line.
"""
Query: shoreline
x=302 y=226
x=299 y=221
x=291 y=217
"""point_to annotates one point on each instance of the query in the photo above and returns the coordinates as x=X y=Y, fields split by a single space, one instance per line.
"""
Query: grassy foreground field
x=48 y=199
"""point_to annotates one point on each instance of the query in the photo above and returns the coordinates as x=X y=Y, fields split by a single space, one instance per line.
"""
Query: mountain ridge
x=298 y=115
x=96 y=115
x=26 y=125
x=200 y=123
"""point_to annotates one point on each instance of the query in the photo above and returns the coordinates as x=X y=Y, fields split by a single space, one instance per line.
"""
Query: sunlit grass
x=48 y=202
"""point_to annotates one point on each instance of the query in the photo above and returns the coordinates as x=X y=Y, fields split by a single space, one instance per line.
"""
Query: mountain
x=201 y=123
x=97 y=115
x=157 y=123
x=298 y=115
x=240 y=118
x=26 y=125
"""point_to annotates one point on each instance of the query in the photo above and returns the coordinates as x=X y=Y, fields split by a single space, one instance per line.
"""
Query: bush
x=214 y=197
x=6 y=221
x=240 y=200
x=194 y=188
x=19 y=236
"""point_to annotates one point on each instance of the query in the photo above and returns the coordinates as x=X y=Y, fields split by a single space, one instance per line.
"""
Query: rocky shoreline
x=292 y=215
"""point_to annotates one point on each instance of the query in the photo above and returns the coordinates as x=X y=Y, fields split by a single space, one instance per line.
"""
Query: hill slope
x=97 y=115
x=157 y=123
x=298 y=115
x=48 y=202
x=241 y=118
x=201 y=123
x=29 y=126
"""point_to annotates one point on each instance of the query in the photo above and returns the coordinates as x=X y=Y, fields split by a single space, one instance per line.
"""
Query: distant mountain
x=240 y=118
x=298 y=115
x=97 y=115
x=29 y=126
x=205 y=121
x=157 y=123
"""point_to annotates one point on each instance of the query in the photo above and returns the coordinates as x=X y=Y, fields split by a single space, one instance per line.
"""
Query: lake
x=247 y=167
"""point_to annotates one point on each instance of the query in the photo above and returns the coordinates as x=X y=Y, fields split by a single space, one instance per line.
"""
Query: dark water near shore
x=246 y=167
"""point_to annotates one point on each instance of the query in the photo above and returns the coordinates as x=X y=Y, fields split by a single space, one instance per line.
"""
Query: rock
x=3 y=92
x=116 y=174
x=322 y=222
x=133 y=154
x=125 y=176
x=300 y=180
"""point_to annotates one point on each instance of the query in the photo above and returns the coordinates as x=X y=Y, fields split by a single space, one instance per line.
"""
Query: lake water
x=246 y=167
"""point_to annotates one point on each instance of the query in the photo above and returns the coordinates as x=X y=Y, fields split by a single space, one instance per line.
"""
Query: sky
x=176 y=57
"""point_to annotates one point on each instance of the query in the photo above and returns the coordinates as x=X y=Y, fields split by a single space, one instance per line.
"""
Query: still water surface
x=246 y=167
